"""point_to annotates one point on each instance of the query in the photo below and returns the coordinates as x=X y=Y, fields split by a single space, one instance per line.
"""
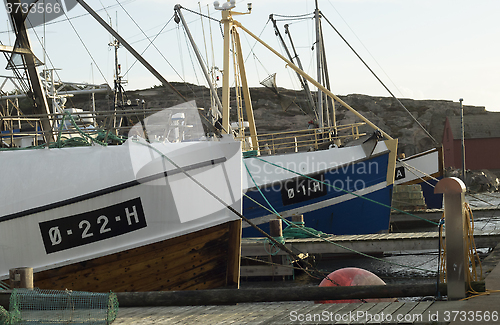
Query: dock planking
x=306 y=312
x=281 y=313
x=366 y=243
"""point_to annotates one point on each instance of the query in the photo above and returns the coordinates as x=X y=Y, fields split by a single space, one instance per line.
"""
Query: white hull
x=415 y=168
x=62 y=206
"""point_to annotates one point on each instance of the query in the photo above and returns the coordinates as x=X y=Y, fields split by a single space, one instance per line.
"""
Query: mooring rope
x=4 y=286
x=409 y=168
x=316 y=235
x=474 y=262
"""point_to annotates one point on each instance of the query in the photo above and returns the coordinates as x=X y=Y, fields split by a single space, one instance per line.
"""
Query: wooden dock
x=482 y=309
x=366 y=243
x=347 y=244
x=405 y=221
x=427 y=312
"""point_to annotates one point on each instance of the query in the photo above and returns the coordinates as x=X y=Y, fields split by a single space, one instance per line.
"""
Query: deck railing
x=29 y=126
x=302 y=140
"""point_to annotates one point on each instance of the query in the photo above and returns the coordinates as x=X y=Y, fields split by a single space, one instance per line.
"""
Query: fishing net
x=270 y=82
x=62 y=307
x=4 y=316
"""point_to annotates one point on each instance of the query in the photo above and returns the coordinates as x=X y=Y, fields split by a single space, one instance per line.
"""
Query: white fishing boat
x=122 y=218
x=424 y=169
x=151 y=214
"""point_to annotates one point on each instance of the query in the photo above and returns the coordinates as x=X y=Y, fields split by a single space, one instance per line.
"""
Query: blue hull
x=433 y=201
x=329 y=209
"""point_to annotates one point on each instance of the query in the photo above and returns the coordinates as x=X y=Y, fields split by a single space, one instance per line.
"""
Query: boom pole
x=177 y=9
x=311 y=80
x=129 y=48
x=38 y=95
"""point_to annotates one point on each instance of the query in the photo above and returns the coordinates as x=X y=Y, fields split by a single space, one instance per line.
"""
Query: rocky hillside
x=270 y=115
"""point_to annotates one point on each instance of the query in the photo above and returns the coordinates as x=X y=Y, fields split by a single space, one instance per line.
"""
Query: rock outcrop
x=271 y=116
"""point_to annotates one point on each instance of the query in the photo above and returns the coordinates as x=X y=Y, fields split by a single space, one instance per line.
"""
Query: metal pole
x=319 y=66
x=246 y=91
x=463 y=137
x=302 y=80
x=177 y=9
x=30 y=63
x=311 y=80
x=129 y=48
x=457 y=262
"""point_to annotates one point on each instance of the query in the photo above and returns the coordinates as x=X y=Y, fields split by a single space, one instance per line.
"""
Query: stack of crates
x=408 y=198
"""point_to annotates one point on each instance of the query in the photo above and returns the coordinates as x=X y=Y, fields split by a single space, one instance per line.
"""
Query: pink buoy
x=351 y=276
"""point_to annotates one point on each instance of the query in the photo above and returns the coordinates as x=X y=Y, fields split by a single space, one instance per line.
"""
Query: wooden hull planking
x=204 y=259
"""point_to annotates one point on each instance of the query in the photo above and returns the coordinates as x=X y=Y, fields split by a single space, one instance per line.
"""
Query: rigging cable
x=83 y=43
x=295 y=16
x=255 y=44
x=274 y=241
x=69 y=18
x=381 y=82
x=365 y=47
x=47 y=56
x=192 y=63
x=315 y=234
x=151 y=41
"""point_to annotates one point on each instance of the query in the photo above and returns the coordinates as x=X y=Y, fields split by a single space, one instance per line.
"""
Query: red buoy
x=351 y=276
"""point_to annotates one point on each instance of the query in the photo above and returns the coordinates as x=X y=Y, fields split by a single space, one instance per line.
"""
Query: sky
x=423 y=49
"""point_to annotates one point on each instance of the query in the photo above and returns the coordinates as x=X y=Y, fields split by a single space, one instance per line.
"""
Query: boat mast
x=37 y=95
x=326 y=78
x=303 y=81
x=311 y=80
x=118 y=91
x=179 y=14
x=129 y=48
x=319 y=53
x=230 y=29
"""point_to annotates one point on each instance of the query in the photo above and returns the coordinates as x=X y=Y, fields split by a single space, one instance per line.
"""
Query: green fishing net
x=62 y=307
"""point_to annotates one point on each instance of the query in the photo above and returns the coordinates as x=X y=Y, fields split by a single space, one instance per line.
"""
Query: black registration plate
x=85 y=228
x=303 y=189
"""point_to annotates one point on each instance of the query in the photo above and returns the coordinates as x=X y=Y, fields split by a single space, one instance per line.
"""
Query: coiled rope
x=473 y=274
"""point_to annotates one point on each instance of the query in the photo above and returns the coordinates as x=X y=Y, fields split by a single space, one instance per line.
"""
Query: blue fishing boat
x=338 y=190
x=339 y=179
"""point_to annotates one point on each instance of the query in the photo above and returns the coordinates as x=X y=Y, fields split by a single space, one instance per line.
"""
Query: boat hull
x=204 y=259
x=350 y=197
x=424 y=169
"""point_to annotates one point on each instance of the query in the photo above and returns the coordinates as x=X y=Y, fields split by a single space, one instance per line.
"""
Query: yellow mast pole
x=246 y=92
x=310 y=79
